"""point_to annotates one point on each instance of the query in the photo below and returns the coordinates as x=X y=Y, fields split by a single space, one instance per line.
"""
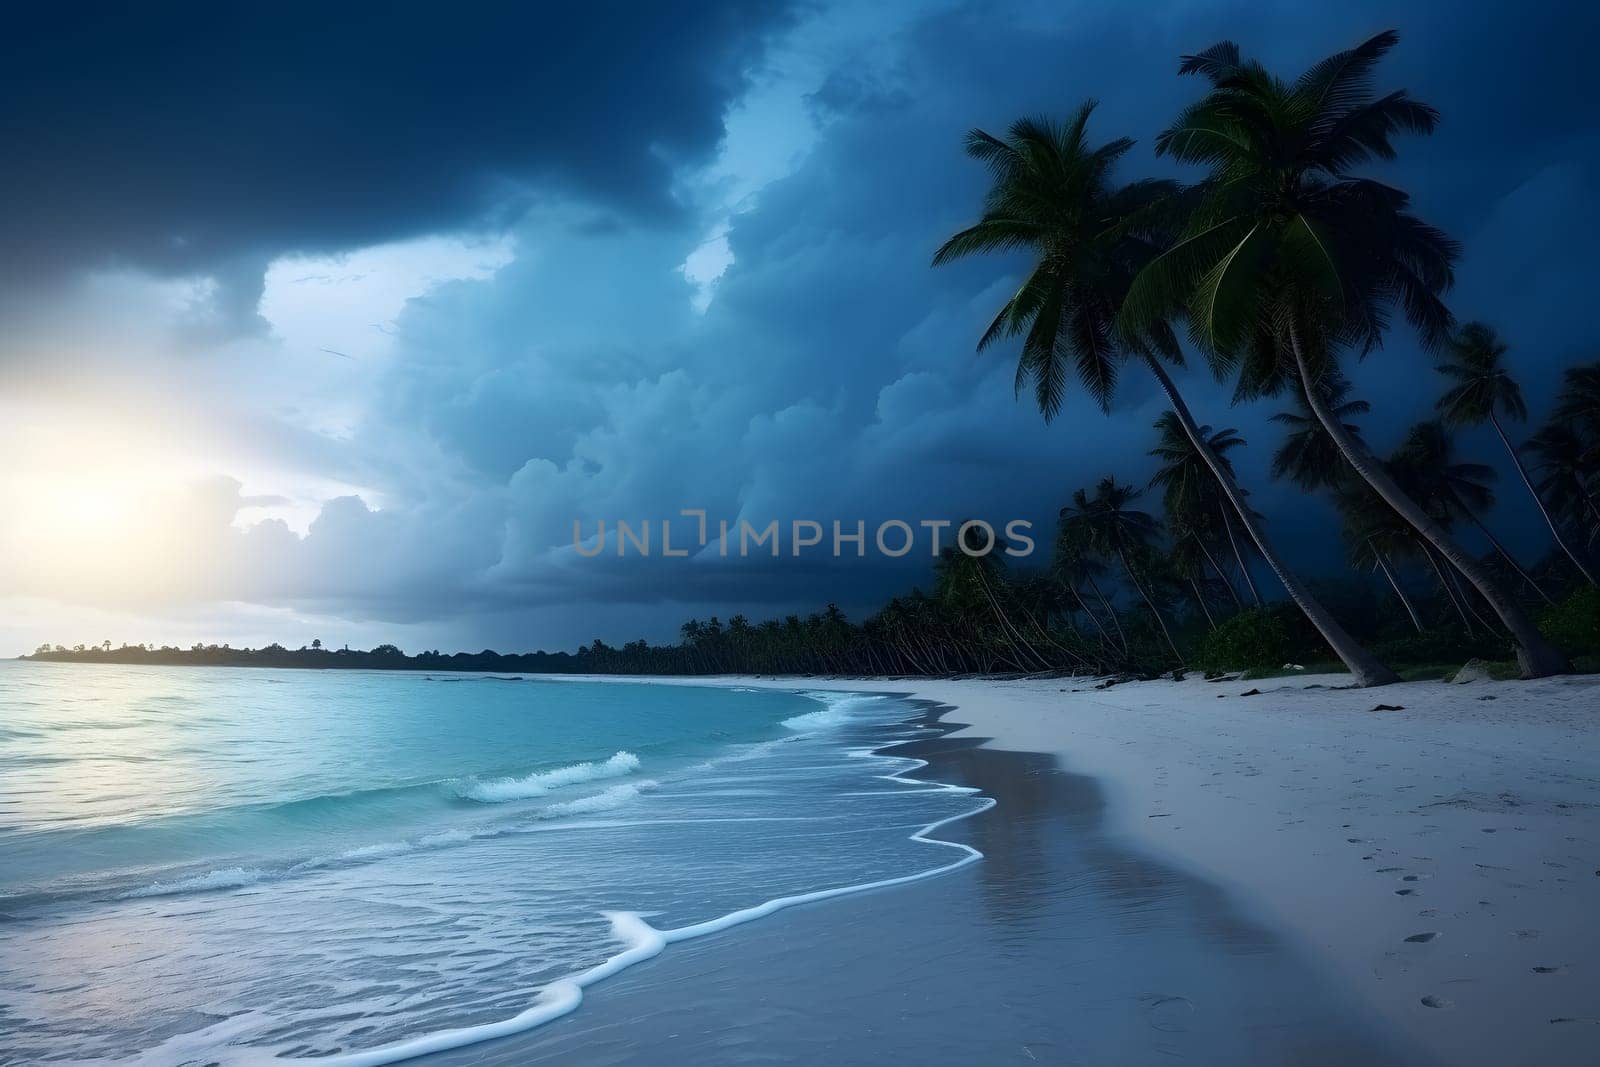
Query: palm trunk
x=1555 y=531
x=1250 y=583
x=1115 y=621
x=1510 y=560
x=1105 y=638
x=1394 y=584
x=1222 y=574
x=1201 y=600
x=1466 y=598
x=1161 y=622
x=1363 y=665
x=1444 y=584
x=1536 y=656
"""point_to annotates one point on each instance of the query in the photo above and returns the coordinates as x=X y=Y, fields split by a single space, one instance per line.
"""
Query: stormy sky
x=329 y=320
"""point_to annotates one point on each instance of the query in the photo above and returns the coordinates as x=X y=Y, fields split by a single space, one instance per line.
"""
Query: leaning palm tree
x=1375 y=537
x=1190 y=492
x=1567 y=472
x=1485 y=392
x=1073 y=567
x=1579 y=401
x=1452 y=488
x=1187 y=561
x=1110 y=526
x=1289 y=257
x=1309 y=456
x=1053 y=197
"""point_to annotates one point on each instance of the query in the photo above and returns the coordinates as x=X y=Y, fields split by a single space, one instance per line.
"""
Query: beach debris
x=1476 y=670
x=1431 y=1001
x=1390 y=707
x=1292 y=667
x=1548 y=970
x=1251 y=693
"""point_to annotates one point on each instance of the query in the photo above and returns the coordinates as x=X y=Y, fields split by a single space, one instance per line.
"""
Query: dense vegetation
x=1279 y=264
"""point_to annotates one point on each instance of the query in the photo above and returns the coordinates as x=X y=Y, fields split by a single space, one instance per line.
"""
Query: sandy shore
x=1442 y=861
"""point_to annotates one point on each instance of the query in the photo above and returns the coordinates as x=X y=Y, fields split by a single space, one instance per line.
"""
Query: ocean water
x=255 y=866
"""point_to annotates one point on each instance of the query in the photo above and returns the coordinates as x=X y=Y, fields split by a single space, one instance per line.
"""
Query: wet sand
x=1062 y=946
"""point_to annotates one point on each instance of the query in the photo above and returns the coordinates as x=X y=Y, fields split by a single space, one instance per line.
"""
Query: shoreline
x=1441 y=861
x=1061 y=945
x=645 y=942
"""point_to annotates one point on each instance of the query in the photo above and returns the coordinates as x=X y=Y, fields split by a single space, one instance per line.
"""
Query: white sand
x=1473 y=815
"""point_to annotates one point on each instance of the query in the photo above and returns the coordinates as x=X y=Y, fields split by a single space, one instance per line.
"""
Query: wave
x=502 y=790
x=615 y=796
x=642 y=941
x=227 y=878
x=836 y=711
x=241 y=877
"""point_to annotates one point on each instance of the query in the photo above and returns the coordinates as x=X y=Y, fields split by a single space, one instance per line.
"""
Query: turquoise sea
x=242 y=866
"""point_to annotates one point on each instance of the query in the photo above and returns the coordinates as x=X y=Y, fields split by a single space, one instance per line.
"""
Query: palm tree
x=1073 y=567
x=1450 y=488
x=1579 y=401
x=1485 y=391
x=1187 y=560
x=1109 y=526
x=1052 y=196
x=1375 y=536
x=1289 y=257
x=1309 y=456
x=1190 y=491
x=1567 y=467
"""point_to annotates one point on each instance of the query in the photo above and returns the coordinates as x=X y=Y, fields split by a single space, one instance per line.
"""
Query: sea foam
x=227 y=878
x=835 y=712
x=502 y=790
x=641 y=941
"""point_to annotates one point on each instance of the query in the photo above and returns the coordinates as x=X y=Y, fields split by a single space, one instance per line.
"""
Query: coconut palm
x=1567 y=469
x=1486 y=392
x=1579 y=401
x=1187 y=561
x=1451 y=488
x=1375 y=537
x=1290 y=258
x=1073 y=567
x=1109 y=525
x=1053 y=196
x=1191 y=494
x=1309 y=456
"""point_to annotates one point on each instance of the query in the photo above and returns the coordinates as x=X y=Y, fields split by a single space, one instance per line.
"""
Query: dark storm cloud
x=208 y=136
x=833 y=375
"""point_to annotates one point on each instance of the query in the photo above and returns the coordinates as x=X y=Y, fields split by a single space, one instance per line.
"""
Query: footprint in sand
x=1441 y=1003
x=1422 y=938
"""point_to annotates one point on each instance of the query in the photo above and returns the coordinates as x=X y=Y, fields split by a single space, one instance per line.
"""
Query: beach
x=795 y=870
x=1433 y=872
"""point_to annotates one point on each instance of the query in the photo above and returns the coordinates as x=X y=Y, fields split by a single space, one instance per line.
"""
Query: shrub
x=1574 y=624
x=1258 y=639
x=1443 y=645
